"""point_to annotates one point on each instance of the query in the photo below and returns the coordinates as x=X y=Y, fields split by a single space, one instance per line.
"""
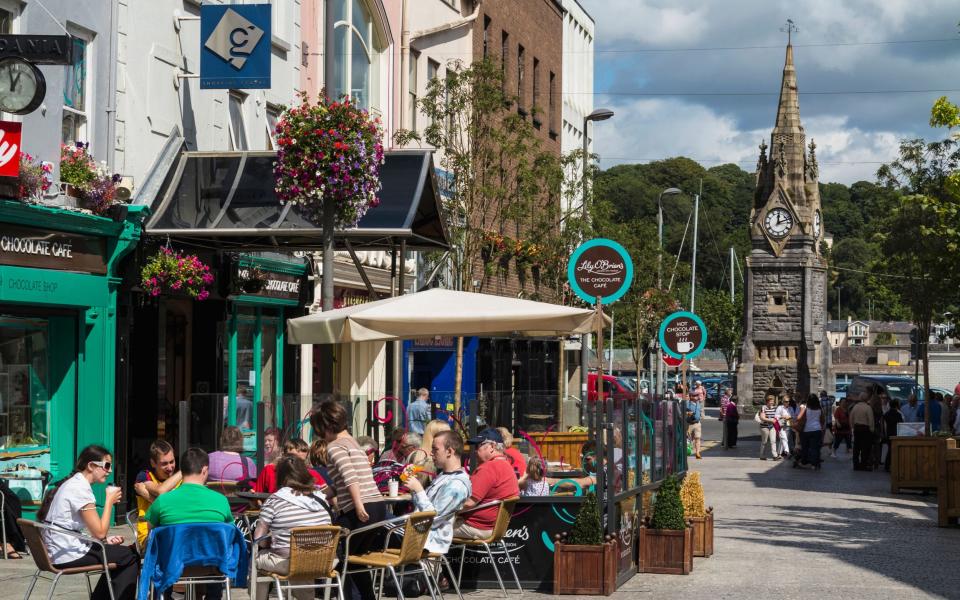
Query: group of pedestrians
x=792 y=430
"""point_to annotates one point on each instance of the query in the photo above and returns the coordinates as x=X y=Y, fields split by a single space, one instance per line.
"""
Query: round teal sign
x=600 y=268
x=683 y=335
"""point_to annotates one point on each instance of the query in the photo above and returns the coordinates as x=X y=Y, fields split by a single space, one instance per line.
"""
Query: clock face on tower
x=817 y=226
x=778 y=222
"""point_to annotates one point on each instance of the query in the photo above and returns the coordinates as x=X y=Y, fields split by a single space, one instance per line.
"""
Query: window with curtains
x=353 y=52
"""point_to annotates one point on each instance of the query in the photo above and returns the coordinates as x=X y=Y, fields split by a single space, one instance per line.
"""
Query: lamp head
x=600 y=114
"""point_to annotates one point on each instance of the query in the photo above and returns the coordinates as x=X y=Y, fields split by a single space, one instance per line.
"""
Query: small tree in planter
x=666 y=542
x=583 y=561
x=696 y=511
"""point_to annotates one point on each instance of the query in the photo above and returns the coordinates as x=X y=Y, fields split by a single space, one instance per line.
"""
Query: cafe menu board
x=38 y=248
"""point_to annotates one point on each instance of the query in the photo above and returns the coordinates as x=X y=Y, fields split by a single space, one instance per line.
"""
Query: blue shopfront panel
x=235 y=46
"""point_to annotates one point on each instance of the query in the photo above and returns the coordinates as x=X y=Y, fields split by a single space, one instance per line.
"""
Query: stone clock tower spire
x=785 y=346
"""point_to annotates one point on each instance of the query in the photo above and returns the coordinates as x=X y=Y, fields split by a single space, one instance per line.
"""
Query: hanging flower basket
x=253 y=281
x=175 y=273
x=329 y=152
x=34 y=178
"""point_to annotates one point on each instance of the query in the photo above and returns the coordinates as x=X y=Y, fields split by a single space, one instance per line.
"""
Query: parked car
x=715 y=387
x=896 y=386
x=611 y=385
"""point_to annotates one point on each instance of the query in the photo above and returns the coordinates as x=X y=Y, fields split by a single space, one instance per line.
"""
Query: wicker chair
x=504 y=512
x=313 y=556
x=416 y=528
x=38 y=550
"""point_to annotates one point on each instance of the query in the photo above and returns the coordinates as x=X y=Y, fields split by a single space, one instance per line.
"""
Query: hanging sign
x=600 y=268
x=10 y=148
x=235 y=50
x=683 y=335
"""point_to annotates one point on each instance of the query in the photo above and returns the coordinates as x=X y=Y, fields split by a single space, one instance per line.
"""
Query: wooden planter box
x=948 y=490
x=666 y=551
x=585 y=570
x=914 y=462
x=561 y=445
x=702 y=534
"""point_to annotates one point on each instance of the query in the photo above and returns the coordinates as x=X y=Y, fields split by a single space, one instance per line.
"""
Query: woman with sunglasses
x=70 y=506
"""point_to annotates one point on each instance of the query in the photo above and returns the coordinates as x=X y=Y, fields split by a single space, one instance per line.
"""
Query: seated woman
x=267 y=480
x=11 y=512
x=226 y=464
x=71 y=506
x=293 y=505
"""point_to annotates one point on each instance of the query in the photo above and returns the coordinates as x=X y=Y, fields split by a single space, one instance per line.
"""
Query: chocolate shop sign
x=58 y=250
x=600 y=268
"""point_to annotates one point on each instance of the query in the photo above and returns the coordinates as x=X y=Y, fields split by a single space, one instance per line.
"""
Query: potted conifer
x=696 y=511
x=666 y=541
x=584 y=562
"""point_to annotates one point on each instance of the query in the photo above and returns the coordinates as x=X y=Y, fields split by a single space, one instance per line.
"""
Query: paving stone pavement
x=781 y=533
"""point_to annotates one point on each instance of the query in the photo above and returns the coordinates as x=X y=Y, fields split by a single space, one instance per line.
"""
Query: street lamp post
x=600 y=114
x=667 y=192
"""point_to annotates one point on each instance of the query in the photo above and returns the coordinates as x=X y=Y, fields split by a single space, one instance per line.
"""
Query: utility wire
x=679 y=252
x=50 y=14
x=773 y=47
x=776 y=93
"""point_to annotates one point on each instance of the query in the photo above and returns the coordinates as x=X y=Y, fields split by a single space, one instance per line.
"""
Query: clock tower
x=785 y=347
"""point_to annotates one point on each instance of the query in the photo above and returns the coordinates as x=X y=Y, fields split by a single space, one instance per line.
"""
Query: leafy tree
x=884 y=338
x=502 y=180
x=920 y=239
x=724 y=321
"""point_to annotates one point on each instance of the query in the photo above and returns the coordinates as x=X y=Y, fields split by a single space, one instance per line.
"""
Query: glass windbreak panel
x=24 y=383
x=268 y=371
x=246 y=374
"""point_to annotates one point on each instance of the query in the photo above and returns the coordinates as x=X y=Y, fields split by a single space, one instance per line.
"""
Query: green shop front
x=58 y=318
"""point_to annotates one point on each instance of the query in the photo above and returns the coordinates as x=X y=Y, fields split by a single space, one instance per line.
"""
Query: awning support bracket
x=363 y=272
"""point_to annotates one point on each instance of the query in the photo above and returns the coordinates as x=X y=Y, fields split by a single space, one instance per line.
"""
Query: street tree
x=724 y=321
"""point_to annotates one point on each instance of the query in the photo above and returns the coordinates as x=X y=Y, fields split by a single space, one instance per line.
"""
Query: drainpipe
x=111 y=108
x=447 y=26
x=404 y=62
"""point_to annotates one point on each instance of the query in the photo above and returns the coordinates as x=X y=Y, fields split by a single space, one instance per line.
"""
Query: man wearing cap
x=493 y=479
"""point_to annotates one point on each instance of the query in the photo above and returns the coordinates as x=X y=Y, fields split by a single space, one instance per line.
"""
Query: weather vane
x=789 y=28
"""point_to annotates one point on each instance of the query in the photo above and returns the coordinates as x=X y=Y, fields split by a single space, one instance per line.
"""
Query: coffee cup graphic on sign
x=683 y=335
x=684 y=347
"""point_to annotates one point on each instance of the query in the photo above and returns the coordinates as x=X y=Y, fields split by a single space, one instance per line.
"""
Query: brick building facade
x=526 y=38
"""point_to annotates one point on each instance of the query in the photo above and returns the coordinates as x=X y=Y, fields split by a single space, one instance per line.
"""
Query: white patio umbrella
x=441 y=312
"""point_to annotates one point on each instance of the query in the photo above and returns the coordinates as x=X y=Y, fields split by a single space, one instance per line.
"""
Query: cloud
x=856 y=130
x=653 y=129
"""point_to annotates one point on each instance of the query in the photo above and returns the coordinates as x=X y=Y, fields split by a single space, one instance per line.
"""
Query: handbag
x=827 y=438
x=756 y=417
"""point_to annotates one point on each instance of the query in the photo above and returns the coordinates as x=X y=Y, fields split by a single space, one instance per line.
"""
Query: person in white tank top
x=811 y=435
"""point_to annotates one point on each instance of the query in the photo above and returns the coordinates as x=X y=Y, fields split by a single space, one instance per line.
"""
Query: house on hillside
x=868 y=333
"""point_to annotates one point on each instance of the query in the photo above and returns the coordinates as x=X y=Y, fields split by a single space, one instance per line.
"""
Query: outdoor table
x=43 y=478
x=253 y=496
x=397 y=498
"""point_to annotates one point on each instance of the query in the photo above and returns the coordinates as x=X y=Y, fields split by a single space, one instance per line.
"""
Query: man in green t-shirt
x=192 y=502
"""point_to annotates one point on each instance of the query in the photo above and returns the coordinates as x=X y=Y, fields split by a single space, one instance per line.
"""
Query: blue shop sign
x=235 y=46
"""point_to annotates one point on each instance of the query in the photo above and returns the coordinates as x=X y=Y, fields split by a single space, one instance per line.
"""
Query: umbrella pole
x=458 y=378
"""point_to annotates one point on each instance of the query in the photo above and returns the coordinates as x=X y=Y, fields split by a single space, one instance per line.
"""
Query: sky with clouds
x=700 y=78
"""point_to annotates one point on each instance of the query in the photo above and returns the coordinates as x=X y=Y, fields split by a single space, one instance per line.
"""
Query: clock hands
x=14 y=81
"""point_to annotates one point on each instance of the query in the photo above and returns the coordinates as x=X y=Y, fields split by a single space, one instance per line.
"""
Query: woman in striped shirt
x=358 y=498
x=768 y=435
x=295 y=504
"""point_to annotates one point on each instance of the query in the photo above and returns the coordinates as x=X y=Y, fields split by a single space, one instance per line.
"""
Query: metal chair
x=504 y=512
x=3 y=521
x=32 y=534
x=132 y=518
x=313 y=556
x=416 y=527
x=193 y=575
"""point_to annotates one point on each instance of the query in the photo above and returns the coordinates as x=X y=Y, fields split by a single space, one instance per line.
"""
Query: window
x=74 y=125
x=352 y=51
x=238 y=132
x=24 y=382
x=504 y=52
x=551 y=105
x=433 y=70
x=6 y=20
x=486 y=35
x=273 y=115
x=520 y=59
x=536 y=92
x=413 y=86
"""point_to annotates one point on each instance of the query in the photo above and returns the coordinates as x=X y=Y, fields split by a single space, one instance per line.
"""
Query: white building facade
x=578 y=37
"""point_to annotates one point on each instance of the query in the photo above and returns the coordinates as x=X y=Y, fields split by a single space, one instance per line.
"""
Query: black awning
x=227 y=199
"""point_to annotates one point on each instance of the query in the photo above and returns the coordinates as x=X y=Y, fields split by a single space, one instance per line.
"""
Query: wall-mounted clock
x=22 y=86
x=778 y=222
